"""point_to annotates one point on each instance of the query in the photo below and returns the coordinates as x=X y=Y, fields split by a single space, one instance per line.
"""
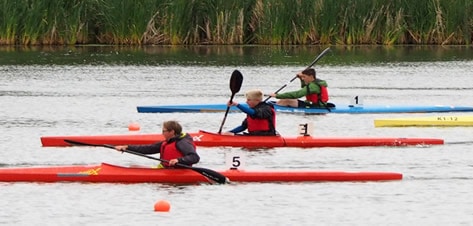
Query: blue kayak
x=345 y=109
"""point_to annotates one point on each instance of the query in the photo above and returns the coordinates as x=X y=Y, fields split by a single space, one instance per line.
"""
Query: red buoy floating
x=162 y=206
x=134 y=127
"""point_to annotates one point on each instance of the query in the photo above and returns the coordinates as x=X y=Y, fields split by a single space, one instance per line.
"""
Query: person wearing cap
x=260 y=116
x=315 y=91
x=178 y=147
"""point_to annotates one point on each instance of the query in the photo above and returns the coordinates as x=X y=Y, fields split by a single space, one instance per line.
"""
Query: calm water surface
x=73 y=99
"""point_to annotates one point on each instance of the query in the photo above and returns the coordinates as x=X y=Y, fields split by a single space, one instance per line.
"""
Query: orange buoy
x=134 y=127
x=162 y=206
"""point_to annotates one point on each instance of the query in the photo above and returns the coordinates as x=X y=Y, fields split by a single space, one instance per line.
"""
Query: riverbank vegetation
x=216 y=22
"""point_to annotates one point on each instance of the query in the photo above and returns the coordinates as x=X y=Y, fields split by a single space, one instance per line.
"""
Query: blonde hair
x=254 y=94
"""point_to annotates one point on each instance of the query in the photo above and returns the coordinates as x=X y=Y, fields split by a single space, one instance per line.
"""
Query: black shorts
x=301 y=104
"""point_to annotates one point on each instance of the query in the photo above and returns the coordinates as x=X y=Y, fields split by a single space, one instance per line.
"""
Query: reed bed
x=217 y=22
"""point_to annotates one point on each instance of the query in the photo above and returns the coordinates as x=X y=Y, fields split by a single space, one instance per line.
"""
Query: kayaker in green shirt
x=315 y=91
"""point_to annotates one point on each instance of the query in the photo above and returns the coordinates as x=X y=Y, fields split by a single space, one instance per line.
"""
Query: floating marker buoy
x=134 y=127
x=162 y=206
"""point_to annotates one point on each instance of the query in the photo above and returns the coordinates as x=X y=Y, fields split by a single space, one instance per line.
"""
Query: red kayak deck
x=108 y=173
x=207 y=139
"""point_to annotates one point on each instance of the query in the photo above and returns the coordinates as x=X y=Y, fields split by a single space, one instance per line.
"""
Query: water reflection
x=221 y=55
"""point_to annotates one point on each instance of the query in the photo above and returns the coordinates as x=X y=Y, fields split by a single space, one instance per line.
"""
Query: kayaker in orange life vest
x=178 y=147
x=315 y=91
x=260 y=116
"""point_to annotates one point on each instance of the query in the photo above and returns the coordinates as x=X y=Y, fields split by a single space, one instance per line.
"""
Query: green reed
x=32 y=17
x=8 y=28
x=204 y=22
x=30 y=22
x=187 y=21
x=458 y=21
x=273 y=22
x=125 y=22
x=225 y=25
x=326 y=17
x=439 y=21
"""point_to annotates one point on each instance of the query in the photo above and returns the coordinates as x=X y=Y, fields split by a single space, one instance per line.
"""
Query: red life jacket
x=315 y=97
x=169 y=151
x=258 y=124
x=324 y=94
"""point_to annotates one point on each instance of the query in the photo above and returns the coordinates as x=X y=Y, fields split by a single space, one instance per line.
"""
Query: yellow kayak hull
x=452 y=120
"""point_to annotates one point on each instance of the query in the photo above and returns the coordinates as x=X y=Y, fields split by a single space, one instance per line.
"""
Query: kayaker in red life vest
x=260 y=116
x=315 y=91
x=178 y=147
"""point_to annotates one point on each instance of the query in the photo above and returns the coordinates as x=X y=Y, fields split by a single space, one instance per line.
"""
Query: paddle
x=235 y=84
x=312 y=64
x=208 y=173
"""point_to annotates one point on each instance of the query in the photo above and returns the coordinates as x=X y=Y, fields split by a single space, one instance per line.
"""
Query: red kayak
x=208 y=139
x=107 y=173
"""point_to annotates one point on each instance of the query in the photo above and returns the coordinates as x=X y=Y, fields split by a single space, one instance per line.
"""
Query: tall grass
x=458 y=21
x=271 y=22
x=327 y=20
x=30 y=22
x=125 y=22
x=8 y=24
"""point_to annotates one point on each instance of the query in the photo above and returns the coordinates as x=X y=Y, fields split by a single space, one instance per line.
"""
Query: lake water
x=85 y=92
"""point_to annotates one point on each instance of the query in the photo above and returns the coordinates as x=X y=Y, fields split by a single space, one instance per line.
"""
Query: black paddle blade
x=235 y=81
x=212 y=175
x=235 y=84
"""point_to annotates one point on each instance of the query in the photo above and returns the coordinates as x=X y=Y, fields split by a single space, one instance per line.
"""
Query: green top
x=313 y=87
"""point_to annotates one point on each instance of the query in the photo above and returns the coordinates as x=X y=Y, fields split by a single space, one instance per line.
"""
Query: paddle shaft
x=146 y=156
x=225 y=117
x=208 y=173
x=312 y=64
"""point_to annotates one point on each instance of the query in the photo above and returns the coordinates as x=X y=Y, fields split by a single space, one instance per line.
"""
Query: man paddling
x=178 y=147
x=260 y=116
x=315 y=91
